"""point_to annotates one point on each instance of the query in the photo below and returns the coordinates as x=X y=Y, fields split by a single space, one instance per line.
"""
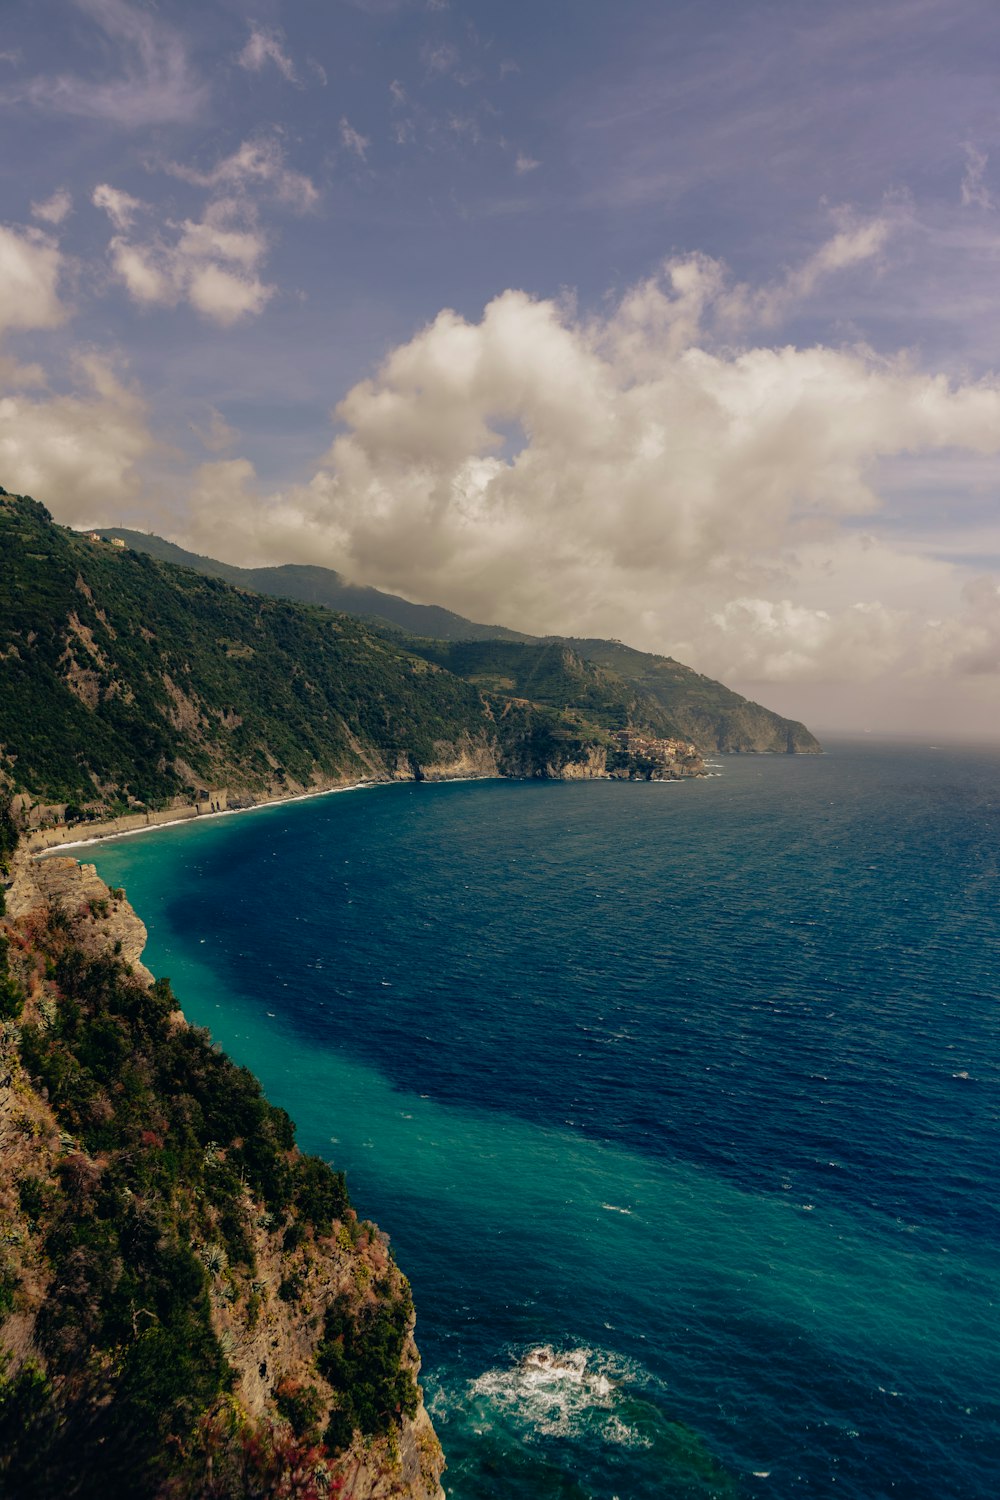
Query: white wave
x=613 y=1208
x=549 y=1392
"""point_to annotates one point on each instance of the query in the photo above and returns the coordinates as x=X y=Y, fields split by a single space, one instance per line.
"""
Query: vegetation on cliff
x=552 y=673
x=129 y=683
x=698 y=707
x=188 y=1305
x=309 y=584
x=667 y=696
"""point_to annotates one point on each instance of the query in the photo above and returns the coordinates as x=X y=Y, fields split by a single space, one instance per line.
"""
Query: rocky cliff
x=189 y=1307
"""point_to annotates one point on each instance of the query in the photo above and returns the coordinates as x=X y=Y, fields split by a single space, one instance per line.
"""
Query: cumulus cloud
x=264 y=46
x=257 y=163
x=154 y=85
x=76 y=451
x=30 y=268
x=524 y=163
x=211 y=263
x=55 y=209
x=630 y=474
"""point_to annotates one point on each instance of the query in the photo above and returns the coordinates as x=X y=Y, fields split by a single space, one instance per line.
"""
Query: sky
x=666 y=320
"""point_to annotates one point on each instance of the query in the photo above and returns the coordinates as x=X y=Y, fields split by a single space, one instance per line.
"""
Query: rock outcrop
x=101 y=920
x=128 y=1236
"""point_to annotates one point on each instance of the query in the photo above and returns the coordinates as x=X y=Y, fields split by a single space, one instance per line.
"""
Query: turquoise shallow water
x=693 y=1086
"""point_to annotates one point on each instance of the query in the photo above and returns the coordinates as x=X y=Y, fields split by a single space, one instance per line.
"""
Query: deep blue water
x=693 y=1084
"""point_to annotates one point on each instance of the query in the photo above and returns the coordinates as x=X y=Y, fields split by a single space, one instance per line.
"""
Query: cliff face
x=188 y=1306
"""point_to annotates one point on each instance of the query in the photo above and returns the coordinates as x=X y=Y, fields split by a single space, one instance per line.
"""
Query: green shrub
x=360 y=1355
x=301 y=1406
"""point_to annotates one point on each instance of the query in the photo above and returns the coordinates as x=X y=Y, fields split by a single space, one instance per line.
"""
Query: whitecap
x=548 y=1392
x=613 y=1208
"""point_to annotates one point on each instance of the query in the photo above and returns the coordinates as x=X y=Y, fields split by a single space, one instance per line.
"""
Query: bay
x=692 y=1086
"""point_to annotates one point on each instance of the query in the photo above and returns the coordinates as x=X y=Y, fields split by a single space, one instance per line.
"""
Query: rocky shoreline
x=270 y=1339
x=630 y=757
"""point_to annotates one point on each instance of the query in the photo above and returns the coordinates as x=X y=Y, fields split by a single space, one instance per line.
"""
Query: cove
x=666 y=1079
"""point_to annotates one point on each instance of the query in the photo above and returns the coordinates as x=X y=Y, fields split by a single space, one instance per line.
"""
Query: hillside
x=130 y=684
x=189 y=1307
x=681 y=701
x=553 y=673
x=700 y=708
x=313 y=585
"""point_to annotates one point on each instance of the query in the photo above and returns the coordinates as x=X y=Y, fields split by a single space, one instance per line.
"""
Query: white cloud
x=524 y=163
x=76 y=452
x=30 y=269
x=225 y=296
x=55 y=209
x=774 y=640
x=211 y=263
x=259 y=162
x=855 y=242
x=628 y=475
x=155 y=84
x=353 y=140
x=120 y=207
x=264 y=46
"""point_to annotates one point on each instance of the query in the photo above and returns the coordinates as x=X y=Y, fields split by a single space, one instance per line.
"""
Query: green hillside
x=703 y=710
x=554 y=674
x=323 y=586
x=671 y=697
x=127 y=683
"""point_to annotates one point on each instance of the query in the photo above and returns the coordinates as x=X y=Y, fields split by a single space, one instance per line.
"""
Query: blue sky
x=671 y=321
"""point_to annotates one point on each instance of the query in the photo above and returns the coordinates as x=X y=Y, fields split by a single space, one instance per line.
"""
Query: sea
x=679 y=1102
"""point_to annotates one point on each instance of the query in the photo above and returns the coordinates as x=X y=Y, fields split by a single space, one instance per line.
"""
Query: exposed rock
x=101 y=920
x=270 y=1336
x=593 y=766
x=468 y=757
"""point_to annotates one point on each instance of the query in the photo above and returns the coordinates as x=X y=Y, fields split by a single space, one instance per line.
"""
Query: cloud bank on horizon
x=654 y=331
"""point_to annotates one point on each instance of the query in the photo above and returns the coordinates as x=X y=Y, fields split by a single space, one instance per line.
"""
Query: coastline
x=44 y=840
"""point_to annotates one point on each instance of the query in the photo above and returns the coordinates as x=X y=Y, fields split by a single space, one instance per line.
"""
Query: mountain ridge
x=696 y=707
x=130 y=685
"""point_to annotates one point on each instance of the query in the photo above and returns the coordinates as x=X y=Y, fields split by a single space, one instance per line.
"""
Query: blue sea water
x=692 y=1086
